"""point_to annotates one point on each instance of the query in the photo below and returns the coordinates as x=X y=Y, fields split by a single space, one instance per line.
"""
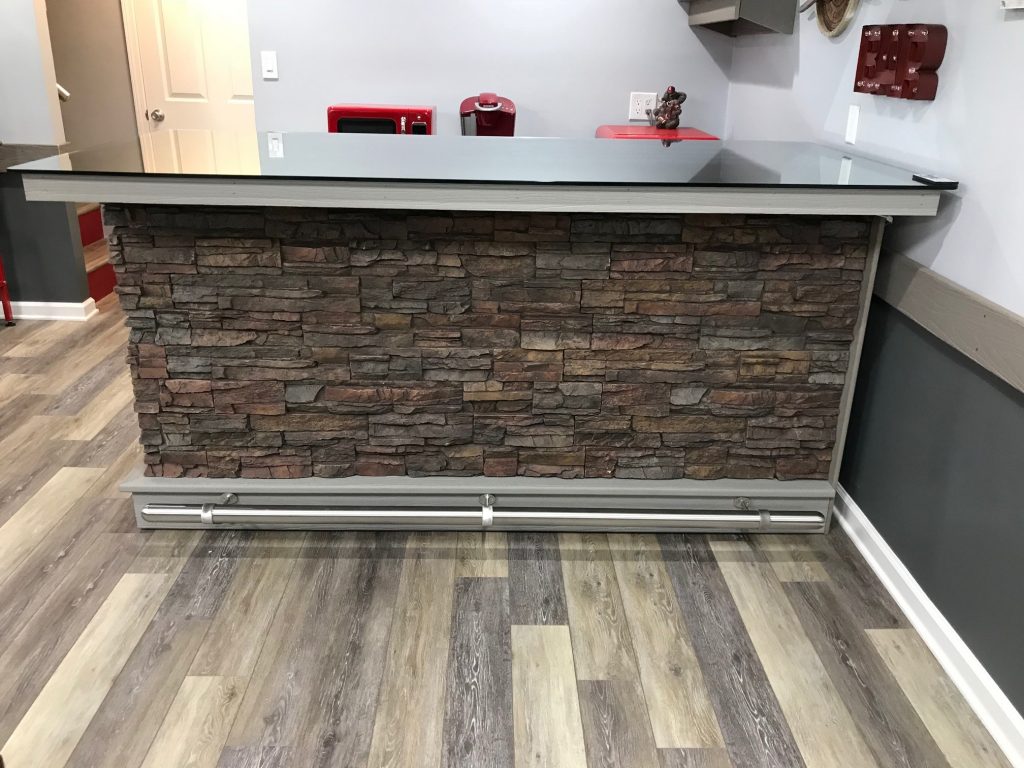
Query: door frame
x=131 y=39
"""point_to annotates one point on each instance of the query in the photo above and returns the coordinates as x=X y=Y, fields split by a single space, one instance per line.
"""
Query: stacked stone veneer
x=292 y=343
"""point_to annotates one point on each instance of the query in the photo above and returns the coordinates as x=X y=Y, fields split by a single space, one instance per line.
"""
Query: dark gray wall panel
x=935 y=458
x=41 y=247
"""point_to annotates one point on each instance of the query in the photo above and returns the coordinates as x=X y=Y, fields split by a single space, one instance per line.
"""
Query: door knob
x=157 y=116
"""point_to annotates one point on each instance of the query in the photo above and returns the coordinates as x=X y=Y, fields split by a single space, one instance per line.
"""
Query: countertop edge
x=555 y=198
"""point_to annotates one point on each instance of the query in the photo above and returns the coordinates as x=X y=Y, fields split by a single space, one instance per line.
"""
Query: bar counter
x=468 y=333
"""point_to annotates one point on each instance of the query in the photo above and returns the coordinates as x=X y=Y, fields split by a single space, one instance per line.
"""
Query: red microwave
x=380 y=118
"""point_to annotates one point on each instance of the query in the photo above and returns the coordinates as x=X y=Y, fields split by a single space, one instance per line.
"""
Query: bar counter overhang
x=434 y=332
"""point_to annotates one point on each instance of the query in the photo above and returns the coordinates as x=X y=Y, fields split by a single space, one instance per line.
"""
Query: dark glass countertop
x=476 y=159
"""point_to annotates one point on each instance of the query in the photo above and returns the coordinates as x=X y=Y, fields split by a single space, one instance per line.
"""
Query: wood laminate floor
x=234 y=649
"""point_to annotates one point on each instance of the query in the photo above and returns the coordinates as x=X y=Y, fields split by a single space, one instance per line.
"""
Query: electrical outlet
x=852 y=124
x=639 y=103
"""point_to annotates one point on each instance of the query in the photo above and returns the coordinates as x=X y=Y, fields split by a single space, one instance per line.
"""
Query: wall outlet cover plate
x=639 y=103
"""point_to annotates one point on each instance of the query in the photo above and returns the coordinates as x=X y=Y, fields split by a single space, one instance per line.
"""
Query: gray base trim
x=988 y=334
x=481 y=197
x=476 y=503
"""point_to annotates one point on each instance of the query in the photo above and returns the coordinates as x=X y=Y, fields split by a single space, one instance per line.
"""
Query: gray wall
x=28 y=96
x=800 y=87
x=91 y=61
x=569 y=65
x=934 y=457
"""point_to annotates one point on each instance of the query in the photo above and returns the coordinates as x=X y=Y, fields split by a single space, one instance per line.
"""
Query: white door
x=191 y=71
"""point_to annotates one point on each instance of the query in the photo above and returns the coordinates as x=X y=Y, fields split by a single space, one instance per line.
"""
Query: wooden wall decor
x=901 y=60
x=834 y=16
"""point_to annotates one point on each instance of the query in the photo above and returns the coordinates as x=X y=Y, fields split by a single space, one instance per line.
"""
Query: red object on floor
x=90 y=226
x=102 y=281
x=650 y=132
x=5 y=300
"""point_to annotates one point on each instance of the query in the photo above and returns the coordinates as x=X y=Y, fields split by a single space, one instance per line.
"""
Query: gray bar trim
x=856 y=346
x=457 y=503
x=212 y=516
x=480 y=197
x=988 y=334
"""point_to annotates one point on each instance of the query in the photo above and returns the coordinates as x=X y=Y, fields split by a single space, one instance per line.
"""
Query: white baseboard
x=981 y=692
x=54 y=310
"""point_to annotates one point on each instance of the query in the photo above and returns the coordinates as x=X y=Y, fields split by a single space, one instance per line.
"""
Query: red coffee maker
x=488 y=115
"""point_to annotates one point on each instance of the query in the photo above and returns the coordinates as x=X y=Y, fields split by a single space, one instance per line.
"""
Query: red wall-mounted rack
x=901 y=60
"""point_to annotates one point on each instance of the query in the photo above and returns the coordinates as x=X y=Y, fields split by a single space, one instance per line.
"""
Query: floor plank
x=256 y=757
x=821 y=724
x=28 y=586
x=891 y=728
x=674 y=689
x=107 y=445
x=30 y=657
x=694 y=758
x=194 y=730
x=126 y=462
x=139 y=697
x=342 y=717
x=29 y=469
x=483 y=554
x=410 y=716
x=602 y=648
x=753 y=726
x=316 y=685
x=92 y=418
x=940 y=706
x=165 y=552
x=546 y=709
x=13 y=335
x=62 y=711
x=38 y=339
x=14 y=385
x=616 y=732
x=793 y=557
x=239 y=628
x=29 y=526
x=80 y=393
x=203 y=583
x=860 y=590
x=536 y=589
x=478 y=695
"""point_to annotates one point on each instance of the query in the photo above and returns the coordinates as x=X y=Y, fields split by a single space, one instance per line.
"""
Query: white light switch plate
x=852 y=124
x=275 y=144
x=1012 y=5
x=268 y=65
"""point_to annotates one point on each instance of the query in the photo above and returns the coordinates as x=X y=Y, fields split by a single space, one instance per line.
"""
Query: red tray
x=650 y=132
